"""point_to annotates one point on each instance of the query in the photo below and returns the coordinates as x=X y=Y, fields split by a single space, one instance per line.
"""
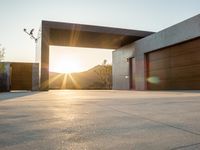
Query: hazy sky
x=152 y=15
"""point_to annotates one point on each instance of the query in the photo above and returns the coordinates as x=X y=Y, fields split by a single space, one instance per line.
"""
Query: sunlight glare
x=66 y=66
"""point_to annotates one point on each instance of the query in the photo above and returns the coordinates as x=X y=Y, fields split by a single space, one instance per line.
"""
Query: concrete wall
x=184 y=31
x=181 y=32
x=121 y=67
x=35 y=76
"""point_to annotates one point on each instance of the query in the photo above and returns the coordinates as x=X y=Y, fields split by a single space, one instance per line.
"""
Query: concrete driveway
x=92 y=120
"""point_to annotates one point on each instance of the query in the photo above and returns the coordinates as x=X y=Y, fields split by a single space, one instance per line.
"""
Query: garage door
x=175 y=68
x=21 y=76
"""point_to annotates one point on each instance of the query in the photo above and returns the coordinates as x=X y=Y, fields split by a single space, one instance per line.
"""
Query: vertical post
x=35 y=77
x=130 y=73
x=140 y=79
x=44 y=70
x=147 y=70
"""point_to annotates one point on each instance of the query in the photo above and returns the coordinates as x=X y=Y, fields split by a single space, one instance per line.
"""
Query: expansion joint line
x=156 y=121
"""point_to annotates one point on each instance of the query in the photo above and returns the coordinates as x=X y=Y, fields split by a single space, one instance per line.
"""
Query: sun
x=66 y=66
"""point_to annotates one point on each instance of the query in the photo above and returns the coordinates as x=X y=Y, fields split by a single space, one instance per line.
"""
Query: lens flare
x=153 y=80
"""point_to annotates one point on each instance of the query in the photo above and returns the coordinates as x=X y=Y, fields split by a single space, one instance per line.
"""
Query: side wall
x=120 y=70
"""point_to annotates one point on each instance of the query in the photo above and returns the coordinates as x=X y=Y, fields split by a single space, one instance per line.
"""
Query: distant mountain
x=93 y=78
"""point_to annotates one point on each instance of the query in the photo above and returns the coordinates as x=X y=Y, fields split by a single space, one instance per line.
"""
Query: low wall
x=19 y=76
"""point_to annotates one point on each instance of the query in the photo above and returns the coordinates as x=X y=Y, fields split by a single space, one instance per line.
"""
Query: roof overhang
x=79 y=35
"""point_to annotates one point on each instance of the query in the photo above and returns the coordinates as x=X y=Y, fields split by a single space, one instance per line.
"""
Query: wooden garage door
x=175 y=68
x=21 y=76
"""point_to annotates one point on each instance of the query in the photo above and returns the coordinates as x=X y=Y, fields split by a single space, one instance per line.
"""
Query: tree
x=104 y=73
x=2 y=53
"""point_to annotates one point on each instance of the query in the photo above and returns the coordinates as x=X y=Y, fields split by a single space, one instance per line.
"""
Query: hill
x=98 y=77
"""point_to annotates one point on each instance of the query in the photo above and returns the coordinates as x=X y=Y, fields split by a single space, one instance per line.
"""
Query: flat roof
x=80 y=35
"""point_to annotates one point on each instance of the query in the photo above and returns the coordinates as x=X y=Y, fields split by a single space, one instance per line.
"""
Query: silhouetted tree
x=2 y=53
x=104 y=73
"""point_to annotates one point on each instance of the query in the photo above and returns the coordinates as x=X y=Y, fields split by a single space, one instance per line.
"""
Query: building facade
x=166 y=60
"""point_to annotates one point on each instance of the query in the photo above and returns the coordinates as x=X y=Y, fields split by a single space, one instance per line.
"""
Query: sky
x=148 y=15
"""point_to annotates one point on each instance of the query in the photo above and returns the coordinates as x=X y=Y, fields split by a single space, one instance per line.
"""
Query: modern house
x=166 y=60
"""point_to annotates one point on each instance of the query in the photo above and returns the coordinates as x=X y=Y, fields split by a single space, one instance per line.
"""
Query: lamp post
x=30 y=33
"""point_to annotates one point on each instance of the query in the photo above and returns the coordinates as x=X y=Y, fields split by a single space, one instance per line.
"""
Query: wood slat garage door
x=21 y=76
x=175 y=68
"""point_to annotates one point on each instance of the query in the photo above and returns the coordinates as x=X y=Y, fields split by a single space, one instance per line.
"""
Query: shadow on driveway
x=15 y=94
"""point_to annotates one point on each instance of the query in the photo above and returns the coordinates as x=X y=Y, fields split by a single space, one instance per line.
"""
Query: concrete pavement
x=88 y=120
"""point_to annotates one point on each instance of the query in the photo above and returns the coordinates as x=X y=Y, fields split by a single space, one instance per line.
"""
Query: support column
x=35 y=77
x=141 y=69
x=44 y=70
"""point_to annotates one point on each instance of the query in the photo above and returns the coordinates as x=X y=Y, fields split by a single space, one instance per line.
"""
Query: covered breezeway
x=77 y=35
